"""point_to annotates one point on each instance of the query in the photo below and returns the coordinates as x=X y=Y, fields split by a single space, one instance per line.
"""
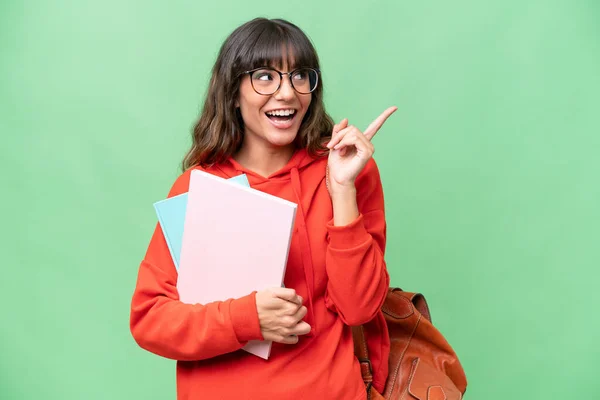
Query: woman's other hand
x=280 y=313
x=350 y=151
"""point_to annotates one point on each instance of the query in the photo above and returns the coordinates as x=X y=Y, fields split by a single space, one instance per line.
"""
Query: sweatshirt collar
x=299 y=160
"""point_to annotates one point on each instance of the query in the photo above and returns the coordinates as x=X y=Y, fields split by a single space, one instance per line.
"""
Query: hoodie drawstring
x=305 y=252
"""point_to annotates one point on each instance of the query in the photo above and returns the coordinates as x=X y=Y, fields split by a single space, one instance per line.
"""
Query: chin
x=281 y=138
x=282 y=141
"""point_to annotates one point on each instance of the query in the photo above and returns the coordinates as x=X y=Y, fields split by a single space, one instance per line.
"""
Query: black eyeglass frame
x=281 y=74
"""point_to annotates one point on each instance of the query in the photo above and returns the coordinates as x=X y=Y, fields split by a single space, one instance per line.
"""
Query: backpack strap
x=362 y=354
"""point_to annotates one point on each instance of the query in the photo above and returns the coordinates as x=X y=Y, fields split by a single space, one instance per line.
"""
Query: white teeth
x=281 y=113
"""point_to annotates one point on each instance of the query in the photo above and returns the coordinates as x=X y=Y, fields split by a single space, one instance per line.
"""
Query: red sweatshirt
x=339 y=271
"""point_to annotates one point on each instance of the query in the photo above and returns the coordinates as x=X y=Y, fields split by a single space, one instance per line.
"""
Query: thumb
x=338 y=127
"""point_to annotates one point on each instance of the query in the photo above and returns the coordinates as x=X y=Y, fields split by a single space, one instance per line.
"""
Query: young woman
x=264 y=117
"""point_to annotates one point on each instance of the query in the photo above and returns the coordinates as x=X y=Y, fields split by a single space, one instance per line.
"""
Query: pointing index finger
x=375 y=125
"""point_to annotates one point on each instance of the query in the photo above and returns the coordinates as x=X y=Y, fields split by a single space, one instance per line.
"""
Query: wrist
x=342 y=190
x=244 y=318
x=345 y=208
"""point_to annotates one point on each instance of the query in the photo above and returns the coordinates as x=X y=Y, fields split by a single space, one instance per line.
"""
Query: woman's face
x=272 y=120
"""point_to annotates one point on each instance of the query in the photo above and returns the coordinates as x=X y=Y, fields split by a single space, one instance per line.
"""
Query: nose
x=285 y=91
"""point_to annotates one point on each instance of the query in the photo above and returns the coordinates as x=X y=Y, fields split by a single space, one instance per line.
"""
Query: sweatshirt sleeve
x=358 y=278
x=163 y=325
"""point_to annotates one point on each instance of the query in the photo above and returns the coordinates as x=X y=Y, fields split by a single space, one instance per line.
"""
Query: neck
x=261 y=159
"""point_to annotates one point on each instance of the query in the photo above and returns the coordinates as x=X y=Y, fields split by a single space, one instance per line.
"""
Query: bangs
x=275 y=44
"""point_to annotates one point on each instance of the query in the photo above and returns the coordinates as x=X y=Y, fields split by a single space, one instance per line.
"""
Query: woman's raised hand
x=350 y=150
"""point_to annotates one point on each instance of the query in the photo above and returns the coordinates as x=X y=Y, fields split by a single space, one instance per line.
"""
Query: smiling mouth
x=281 y=115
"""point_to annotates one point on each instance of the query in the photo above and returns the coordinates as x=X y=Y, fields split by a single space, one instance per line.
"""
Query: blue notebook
x=171 y=217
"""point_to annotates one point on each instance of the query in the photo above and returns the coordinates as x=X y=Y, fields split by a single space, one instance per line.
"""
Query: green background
x=490 y=168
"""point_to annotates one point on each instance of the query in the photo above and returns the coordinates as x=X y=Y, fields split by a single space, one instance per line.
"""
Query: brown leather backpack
x=422 y=365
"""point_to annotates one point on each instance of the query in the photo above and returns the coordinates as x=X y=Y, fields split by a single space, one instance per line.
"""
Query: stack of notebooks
x=226 y=240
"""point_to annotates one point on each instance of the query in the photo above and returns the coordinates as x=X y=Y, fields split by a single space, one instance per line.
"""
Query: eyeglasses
x=267 y=81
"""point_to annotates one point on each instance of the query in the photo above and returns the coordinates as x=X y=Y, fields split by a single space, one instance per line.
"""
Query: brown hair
x=219 y=132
